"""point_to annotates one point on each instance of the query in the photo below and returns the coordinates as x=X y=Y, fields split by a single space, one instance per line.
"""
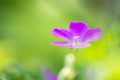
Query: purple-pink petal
x=78 y=28
x=82 y=45
x=62 y=33
x=92 y=35
x=48 y=75
x=60 y=43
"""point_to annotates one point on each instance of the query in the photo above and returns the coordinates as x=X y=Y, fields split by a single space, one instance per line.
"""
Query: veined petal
x=92 y=35
x=60 y=43
x=82 y=45
x=62 y=33
x=78 y=28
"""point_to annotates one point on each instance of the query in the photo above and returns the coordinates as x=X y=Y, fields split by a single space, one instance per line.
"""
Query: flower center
x=76 y=41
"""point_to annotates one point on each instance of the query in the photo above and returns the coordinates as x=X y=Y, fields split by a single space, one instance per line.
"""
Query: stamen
x=76 y=41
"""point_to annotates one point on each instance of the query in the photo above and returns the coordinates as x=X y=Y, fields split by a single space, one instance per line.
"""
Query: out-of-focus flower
x=68 y=72
x=49 y=75
x=79 y=35
x=90 y=73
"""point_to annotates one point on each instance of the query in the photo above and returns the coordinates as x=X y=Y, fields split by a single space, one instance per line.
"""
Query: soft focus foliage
x=25 y=34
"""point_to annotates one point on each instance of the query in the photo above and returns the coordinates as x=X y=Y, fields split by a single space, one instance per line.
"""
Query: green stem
x=76 y=51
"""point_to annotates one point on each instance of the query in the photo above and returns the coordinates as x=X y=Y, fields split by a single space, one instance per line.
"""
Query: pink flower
x=79 y=35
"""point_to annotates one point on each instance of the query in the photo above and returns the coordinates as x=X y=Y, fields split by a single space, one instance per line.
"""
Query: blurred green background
x=25 y=36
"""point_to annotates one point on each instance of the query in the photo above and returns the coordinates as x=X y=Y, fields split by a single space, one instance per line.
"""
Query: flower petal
x=78 y=28
x=62 y=33
x=49 y=75
x=92 y=35
x=60 y=43
x=83 y=45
